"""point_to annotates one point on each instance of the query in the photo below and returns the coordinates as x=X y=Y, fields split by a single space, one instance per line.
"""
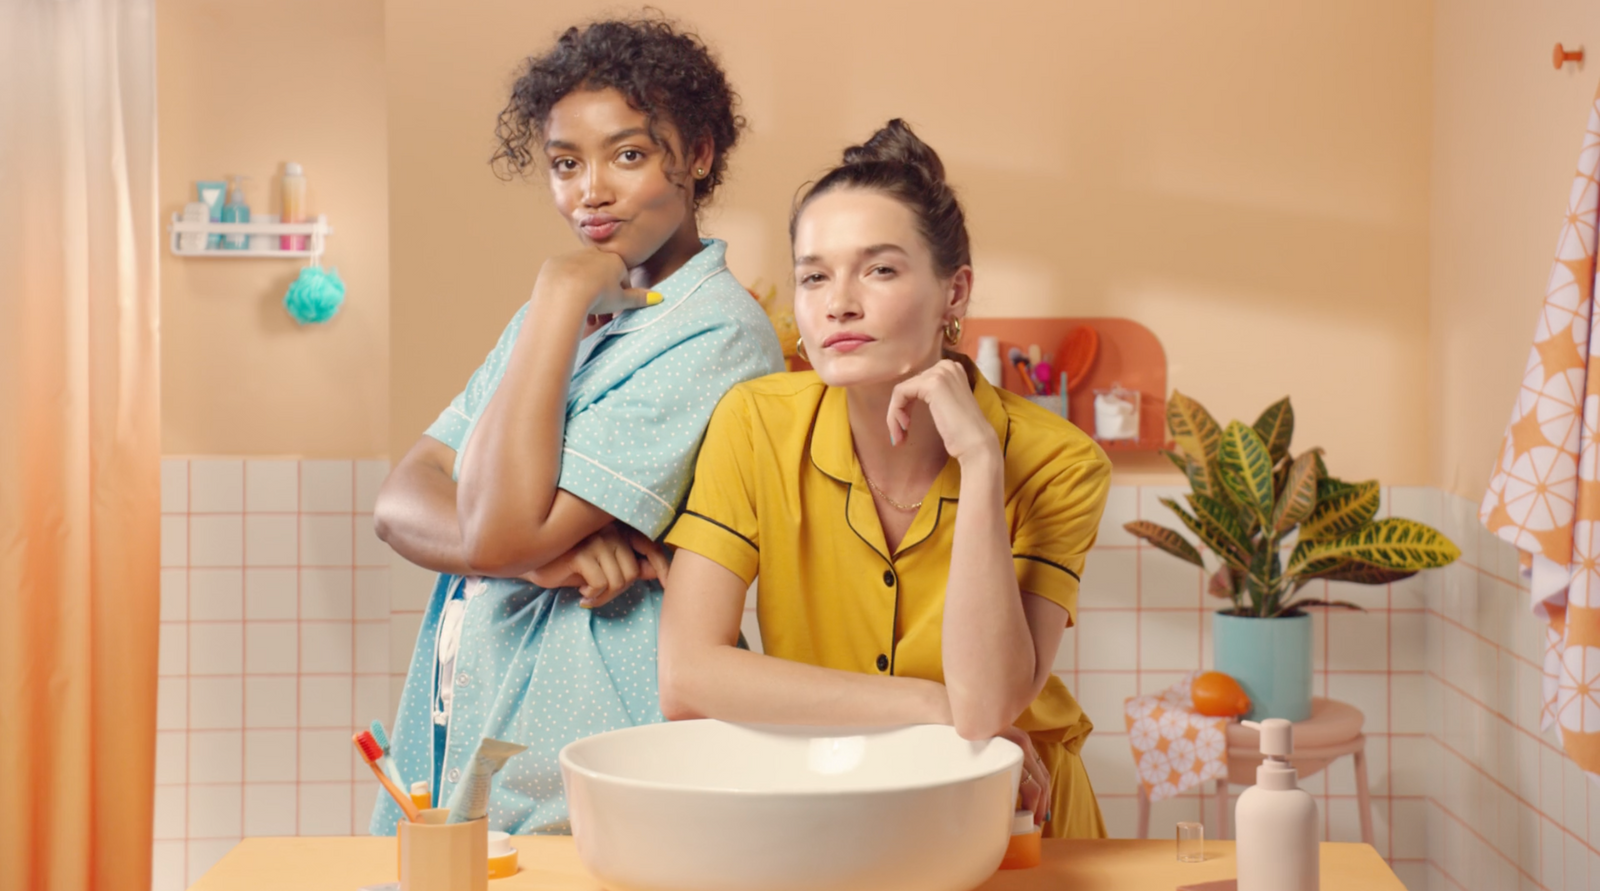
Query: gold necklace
x=886 y=496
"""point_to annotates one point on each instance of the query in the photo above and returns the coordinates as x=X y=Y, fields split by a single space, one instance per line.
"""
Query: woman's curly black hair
x=662 y=71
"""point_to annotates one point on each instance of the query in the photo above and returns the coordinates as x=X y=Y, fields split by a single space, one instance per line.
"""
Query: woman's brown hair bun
x=895 y=143
x=900 y=165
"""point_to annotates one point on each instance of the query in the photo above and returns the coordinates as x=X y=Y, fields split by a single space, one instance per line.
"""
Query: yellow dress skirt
x=1074 y=811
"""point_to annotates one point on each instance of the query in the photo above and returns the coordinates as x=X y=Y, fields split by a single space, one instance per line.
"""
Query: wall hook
x=1563 y=55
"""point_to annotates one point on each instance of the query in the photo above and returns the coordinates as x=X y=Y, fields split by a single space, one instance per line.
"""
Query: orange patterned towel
x=1174 y=748
x=1544 y=496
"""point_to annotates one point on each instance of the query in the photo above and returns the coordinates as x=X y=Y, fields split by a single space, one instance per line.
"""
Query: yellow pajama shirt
x=778 y=493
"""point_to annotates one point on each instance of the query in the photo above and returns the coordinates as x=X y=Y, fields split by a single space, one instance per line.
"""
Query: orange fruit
x=1217 y=695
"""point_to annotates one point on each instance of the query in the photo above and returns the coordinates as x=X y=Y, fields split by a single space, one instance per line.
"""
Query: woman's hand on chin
x=948 y=395
x=592 y=281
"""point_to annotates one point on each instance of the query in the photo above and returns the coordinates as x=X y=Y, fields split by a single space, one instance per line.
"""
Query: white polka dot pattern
x=534 y=667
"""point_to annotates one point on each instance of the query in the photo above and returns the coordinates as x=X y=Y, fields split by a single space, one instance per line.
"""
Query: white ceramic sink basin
x=709 y=806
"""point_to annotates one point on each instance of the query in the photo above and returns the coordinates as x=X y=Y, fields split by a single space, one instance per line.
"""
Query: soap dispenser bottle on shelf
x=1276 y=820
x=236 y=211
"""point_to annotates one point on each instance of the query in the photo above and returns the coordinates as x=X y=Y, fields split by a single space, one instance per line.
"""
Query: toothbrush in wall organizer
x=372 y=753
x=1020 y=363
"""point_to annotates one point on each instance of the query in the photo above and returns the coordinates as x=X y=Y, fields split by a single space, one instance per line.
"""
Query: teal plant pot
x=1271 y=660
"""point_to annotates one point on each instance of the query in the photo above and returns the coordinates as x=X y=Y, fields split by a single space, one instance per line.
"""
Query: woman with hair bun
x=919 y=535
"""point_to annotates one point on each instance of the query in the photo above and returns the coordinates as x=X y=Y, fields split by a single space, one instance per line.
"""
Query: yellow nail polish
x=652 y=298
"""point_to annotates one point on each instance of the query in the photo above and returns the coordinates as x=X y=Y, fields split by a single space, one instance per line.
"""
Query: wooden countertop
x=551 y=864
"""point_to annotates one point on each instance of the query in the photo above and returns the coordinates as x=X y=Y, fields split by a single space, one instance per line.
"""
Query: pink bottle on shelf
x=293 y=205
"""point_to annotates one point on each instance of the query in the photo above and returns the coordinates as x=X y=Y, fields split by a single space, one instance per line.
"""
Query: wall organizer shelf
x=1129 y=355
x=316 y=232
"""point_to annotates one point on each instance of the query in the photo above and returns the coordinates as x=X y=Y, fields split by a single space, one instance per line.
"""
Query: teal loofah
x=315 y=296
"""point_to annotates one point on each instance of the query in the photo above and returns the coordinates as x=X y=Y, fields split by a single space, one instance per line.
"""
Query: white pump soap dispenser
x=1276 y=820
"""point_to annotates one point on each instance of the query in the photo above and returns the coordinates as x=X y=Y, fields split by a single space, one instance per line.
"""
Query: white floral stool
x=1333 y=731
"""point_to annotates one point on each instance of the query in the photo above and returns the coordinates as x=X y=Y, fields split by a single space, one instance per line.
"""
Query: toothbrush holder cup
x=440 y=856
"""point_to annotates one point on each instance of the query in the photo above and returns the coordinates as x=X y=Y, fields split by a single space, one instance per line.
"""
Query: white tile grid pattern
x=1506 y=808
x=275 y=630
x=1145 y=619
x=278 y=644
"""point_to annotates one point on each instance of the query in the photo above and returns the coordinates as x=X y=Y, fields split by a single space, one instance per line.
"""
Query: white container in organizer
x=194 y=212
x=265 y=242
x=1116 y=414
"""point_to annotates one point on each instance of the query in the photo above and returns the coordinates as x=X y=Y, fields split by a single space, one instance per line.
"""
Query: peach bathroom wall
x=245 y=87
x=275 y=639
x=1507 y=129
x=1248 y=179
x=1506 y=808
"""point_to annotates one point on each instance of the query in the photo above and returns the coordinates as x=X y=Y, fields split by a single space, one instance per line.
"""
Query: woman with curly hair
x=539 y=491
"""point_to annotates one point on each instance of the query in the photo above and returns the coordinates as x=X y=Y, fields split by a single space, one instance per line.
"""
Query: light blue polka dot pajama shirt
x=532 y=666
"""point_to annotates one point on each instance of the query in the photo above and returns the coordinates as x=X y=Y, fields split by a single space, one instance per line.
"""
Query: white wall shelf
x=316 y=232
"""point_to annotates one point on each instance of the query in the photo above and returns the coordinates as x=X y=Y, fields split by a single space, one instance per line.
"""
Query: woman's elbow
x=979 y=727
x=984 y=717
x=382 y=524
x=388 y=510
x=675 y=709
x=485 y=554
x=490 y=550
x=675 y=692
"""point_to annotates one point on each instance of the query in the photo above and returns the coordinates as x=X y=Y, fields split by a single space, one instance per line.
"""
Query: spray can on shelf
x=293 y=205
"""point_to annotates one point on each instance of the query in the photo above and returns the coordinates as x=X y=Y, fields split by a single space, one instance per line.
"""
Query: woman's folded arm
x=703 y=673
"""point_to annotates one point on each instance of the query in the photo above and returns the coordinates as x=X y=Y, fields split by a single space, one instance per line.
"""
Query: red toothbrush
x=370 y=753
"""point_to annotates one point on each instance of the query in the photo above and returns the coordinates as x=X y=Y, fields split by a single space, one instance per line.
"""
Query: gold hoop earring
x=952 y=332
x=800 y=350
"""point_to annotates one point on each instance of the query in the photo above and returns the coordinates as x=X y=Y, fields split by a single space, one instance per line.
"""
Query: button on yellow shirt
x=778 y=493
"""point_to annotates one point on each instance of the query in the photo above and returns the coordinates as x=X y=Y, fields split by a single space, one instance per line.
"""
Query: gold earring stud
x=700 y=172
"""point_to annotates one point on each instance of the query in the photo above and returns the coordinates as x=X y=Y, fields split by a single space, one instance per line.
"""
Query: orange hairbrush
x=1077 y=355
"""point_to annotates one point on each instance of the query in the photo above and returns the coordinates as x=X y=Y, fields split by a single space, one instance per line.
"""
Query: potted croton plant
x=1274 y=522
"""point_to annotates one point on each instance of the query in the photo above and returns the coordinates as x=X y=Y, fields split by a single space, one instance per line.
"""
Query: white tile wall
x=286 y=625
x=1506 y=807
x=275 y=638
x=1144 y=620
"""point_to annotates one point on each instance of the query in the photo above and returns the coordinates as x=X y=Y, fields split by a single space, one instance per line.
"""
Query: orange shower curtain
x=79 y=443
